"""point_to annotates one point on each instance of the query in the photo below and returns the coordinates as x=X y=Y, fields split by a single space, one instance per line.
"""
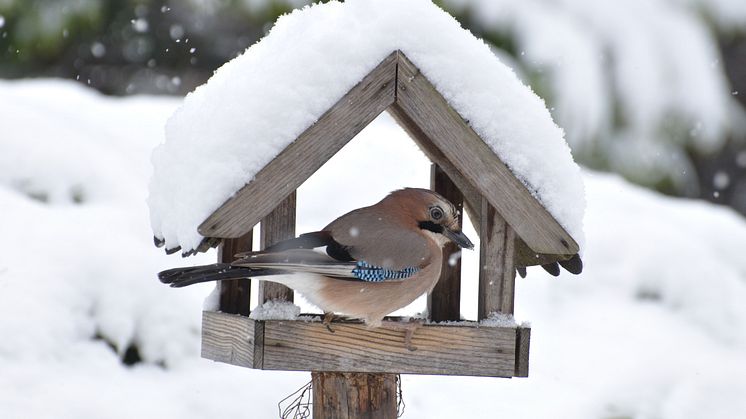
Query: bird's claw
x=328 y=317
x=408 y=327
x=408 y=340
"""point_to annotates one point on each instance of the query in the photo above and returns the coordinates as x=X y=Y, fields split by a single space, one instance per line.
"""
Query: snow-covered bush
x=638 y=85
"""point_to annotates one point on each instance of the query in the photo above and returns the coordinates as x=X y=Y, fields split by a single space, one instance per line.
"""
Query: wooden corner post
x=444 y=303
x=235 y=295
x=496 y=264
x=497 y=258
x=277 y=226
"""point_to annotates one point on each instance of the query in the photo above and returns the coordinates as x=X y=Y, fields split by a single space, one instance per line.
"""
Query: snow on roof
x=257 y=104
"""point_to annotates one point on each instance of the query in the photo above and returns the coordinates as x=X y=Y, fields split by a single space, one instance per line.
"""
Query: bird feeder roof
x=322 y=74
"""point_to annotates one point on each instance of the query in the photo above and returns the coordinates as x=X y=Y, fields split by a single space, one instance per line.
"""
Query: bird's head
x=433 y=214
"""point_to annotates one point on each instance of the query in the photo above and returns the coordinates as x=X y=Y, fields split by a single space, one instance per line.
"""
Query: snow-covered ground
x=654 y=328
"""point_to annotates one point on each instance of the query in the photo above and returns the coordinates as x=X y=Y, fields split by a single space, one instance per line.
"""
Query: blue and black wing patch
x=370 y=273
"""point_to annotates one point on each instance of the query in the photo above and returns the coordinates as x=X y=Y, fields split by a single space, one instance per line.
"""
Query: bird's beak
x=458 y=237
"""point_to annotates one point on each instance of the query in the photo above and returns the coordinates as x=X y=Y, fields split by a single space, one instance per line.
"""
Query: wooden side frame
x=463 y=349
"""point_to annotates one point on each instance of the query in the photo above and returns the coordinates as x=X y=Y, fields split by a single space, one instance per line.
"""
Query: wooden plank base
x=295 y=345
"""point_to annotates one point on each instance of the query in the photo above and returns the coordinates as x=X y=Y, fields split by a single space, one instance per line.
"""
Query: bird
x=377 y=259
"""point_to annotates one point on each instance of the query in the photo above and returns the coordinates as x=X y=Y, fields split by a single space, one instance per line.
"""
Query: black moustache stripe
x=431 y=226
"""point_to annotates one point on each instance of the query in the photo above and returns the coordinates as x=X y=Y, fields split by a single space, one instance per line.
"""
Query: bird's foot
x=409 y=327
x=328 y=318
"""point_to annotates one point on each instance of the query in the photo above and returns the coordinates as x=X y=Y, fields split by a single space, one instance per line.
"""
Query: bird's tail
x=181 y=277
x=251 y=265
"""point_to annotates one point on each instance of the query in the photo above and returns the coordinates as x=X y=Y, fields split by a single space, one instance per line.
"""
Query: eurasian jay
x=378 y=258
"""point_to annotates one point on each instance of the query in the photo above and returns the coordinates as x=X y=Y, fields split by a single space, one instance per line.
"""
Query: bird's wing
x=369 y=236
x=297 y=260
x=310 y=261
x=365 y=244
x=312 y=240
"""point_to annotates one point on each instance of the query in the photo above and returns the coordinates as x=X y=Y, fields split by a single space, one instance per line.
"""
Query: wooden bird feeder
x=515 y=230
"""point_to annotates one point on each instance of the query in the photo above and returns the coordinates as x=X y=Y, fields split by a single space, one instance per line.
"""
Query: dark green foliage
x=128 y=46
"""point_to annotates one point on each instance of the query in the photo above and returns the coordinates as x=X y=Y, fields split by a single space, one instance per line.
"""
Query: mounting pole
x=343 y=395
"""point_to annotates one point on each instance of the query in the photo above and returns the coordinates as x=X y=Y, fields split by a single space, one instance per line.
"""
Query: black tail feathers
x=181 y=277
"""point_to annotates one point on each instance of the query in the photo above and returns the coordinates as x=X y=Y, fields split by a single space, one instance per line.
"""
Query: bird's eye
x=436 y=213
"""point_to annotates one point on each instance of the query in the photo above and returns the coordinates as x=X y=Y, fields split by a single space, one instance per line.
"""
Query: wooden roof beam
x=304 y=156
x=463 y=155
x=438 y=130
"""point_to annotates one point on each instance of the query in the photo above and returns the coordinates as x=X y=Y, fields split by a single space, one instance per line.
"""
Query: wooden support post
x=523 y=340
x=353 y=395
x=496 y=263
x=235 y=296
x=444 y=303
x=277 y=226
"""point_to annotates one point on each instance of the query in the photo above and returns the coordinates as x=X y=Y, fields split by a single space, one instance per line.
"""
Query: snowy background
x=655 y=327
x=639 y=85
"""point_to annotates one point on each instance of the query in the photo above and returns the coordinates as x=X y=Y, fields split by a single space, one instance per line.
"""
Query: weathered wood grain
x=232 y=339
x=456 y=140
x=277 y=226
x=444 y=302
x=461 y=349
x=521 y=351
x=235 y=295
x=353 y=347
x=306 y=154
x=343 y=395
x=496 y=258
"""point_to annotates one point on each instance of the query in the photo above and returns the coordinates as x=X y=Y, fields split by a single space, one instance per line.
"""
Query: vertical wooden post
x=444 y=303
x=235 y=295
x=353 y=395
x=496 y=263
x=277 y=226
